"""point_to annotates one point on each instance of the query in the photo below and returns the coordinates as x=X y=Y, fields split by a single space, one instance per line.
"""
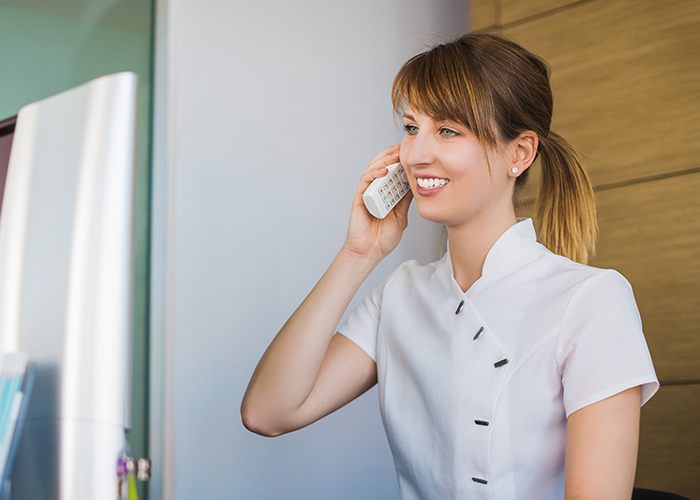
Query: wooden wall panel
x=668 y=448
x=516 y=10
x=625 y=78
x=483 y=14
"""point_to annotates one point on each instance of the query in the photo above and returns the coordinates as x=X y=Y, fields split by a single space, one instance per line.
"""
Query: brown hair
x=498 y=89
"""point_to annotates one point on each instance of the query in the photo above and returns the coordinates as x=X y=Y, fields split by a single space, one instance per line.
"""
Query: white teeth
x=431 y=183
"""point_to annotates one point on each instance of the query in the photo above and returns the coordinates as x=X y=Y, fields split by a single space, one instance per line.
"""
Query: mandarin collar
x=508 y=246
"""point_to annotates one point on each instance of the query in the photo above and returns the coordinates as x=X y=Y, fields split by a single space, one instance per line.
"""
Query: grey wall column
x=269 y=115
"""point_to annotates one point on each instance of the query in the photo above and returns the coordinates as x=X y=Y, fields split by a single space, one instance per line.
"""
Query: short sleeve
x=601 y=349
x=362 y=324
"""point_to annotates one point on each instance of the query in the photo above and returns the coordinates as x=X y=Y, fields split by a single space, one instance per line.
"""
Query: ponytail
x=566 y=207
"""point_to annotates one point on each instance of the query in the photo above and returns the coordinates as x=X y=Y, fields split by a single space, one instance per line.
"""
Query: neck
x=470 y=242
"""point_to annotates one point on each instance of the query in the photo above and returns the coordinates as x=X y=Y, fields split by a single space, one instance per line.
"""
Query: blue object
x=10 y=387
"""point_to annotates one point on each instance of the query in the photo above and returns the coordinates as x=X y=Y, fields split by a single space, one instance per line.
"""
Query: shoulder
x=567 y=274
x=591 y=297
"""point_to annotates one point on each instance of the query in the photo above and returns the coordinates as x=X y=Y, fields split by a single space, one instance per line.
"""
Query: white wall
x=266 y=115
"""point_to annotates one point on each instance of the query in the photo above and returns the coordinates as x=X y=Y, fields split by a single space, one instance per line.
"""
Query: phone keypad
x=394 y=189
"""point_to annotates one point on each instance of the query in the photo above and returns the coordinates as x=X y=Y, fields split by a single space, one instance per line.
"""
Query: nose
x=417 y=150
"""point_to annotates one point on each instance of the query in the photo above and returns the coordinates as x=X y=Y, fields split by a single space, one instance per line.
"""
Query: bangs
x=441 y=84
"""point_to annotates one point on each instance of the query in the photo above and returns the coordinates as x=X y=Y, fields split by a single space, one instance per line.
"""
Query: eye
x=448 y=132
x=410 y=129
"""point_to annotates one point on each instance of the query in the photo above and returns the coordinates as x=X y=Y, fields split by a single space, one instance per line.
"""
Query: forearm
x=289 y=367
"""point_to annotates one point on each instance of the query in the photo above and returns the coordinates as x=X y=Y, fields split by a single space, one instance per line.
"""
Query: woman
x=507 y=369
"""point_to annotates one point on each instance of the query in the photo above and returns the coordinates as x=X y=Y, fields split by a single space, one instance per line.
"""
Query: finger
x=368 y=177
x=386 y=152
x=384 y=162
x=375 y=173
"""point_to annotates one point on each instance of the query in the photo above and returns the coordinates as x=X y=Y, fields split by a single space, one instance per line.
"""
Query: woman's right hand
x=368 y=236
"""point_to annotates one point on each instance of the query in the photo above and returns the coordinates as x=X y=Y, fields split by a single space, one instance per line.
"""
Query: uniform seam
x=609 y=391
x=386 y=284
x=549 y=338
x=394 y=274
x=552 y=337
x=568 y=306
x=568 y=263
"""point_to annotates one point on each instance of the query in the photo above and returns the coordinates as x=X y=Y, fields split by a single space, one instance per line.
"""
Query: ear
x=524 y=148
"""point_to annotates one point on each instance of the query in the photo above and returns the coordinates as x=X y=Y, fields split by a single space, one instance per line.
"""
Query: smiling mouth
x=431 y=183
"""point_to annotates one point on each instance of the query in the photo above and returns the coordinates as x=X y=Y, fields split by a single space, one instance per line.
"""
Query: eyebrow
x=412 y=118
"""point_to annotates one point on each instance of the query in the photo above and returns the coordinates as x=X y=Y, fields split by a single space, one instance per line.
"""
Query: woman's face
x=447 y=170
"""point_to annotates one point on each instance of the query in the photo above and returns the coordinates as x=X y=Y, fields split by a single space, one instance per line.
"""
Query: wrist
x=368 y=259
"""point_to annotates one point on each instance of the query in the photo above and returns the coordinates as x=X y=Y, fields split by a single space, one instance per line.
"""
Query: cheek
x=404 y=152
x=471 y=180
x=470 y=165
x=403 y=146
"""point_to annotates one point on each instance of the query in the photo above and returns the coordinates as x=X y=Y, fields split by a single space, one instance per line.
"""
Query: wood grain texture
x=625 y=79
x=515 y=10
x=483 y=14
x=669 y=441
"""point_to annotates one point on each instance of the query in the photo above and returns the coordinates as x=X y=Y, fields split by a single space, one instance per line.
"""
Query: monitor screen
x=7 y=130
x=66 y=294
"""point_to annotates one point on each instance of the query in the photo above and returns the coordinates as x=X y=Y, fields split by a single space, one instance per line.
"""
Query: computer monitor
x=66 y=273
x=7 y=131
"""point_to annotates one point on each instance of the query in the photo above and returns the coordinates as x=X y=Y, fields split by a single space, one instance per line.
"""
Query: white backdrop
x=266 y=115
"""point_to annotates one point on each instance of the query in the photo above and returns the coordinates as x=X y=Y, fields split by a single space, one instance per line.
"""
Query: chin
x=434 y=213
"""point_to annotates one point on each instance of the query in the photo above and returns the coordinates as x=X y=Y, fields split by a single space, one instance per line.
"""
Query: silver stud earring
x=514 y=170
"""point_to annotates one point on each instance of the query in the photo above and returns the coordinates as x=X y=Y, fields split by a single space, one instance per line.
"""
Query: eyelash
x=454 y=133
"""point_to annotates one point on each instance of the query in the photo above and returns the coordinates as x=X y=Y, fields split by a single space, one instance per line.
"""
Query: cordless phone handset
x=384 y=193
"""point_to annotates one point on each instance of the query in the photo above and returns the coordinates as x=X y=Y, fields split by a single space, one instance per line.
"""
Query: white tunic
x=475 y=404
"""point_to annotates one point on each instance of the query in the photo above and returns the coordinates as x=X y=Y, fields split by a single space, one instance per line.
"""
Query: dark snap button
x=500 y=363
x=479 y=480
x=478 y=333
